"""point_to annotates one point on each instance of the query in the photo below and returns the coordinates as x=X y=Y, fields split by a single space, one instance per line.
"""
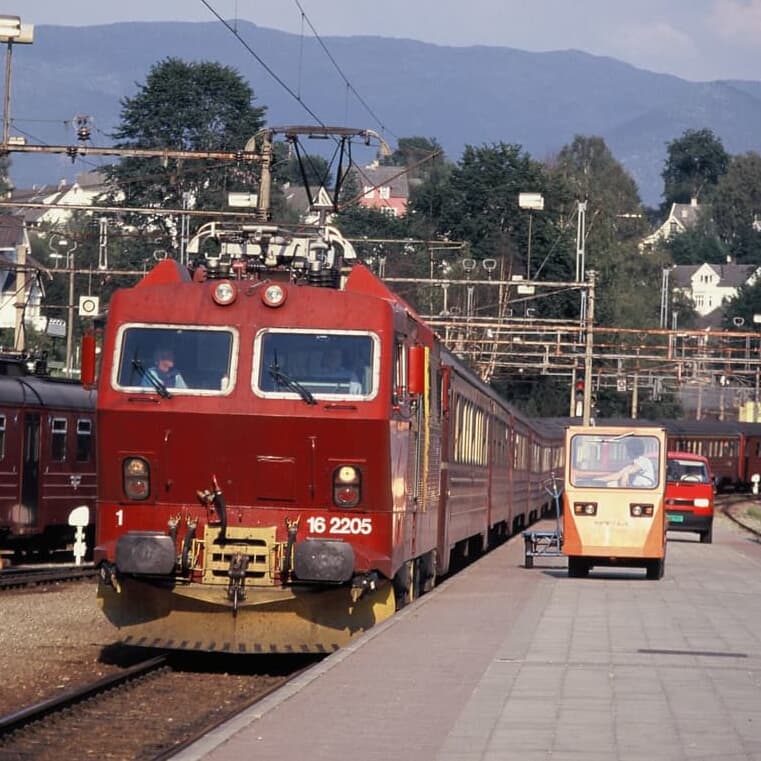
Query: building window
x=384 y=192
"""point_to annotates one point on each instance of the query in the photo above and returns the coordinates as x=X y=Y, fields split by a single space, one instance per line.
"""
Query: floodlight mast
x=12 y=31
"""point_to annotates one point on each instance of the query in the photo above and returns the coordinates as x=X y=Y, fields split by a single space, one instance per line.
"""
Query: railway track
x=736 y=508
x=30 y=576
x=149 y=711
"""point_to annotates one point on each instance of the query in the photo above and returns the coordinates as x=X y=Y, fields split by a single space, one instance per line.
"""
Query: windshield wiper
x=161 y=389
x=285 y=380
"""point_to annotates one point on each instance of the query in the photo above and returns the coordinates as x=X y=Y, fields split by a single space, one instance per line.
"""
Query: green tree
x=202 y=106
x=745 y=304
x=614 y=226
x=316 y=169
x=737 y=208
x=593 y=174
x=5 y=182
x=697 y=245
x=694 y=165
x=423 y=156
x=478 y=202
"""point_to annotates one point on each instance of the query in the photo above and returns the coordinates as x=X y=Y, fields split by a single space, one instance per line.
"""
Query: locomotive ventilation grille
x=257 y=544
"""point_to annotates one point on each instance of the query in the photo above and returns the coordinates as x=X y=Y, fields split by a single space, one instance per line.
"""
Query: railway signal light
x=578 y=398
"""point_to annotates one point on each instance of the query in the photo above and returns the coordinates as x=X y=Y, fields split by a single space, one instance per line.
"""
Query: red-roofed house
x=384 y=188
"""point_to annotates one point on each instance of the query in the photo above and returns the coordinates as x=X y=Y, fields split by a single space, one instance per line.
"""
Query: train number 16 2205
x=318 y=524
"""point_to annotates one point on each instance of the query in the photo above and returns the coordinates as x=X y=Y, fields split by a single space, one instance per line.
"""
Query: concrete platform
x=503 y=663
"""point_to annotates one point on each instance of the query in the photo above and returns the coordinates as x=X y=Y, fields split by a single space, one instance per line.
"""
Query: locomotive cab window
x=175 y=360
x=330 y=365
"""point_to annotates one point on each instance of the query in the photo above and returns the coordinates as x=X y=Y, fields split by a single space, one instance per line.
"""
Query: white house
x=710 y=285
x=20 y=289
x=682 y=217
x=82 y=192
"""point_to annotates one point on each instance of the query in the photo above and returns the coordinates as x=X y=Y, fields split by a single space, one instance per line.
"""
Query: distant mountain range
x=457 y=95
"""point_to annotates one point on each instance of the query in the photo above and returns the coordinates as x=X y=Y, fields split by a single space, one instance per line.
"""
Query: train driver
x=164 y=370
x=334 y=367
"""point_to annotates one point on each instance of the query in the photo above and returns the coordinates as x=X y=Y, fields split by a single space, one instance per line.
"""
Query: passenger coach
x=47 y=459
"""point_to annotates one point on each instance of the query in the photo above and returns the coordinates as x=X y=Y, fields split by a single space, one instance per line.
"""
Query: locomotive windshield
x=316 y=364
x=169 y=360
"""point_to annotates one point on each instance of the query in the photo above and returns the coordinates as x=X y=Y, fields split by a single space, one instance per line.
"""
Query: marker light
x=274 y=295
x=346 y=486
x=224 y=293
x=136 y=478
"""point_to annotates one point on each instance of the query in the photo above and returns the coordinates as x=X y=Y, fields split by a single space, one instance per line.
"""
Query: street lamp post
x=12 y=32
x=532 y=202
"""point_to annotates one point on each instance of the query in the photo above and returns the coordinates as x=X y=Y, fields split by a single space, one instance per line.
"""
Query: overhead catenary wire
x=349 y=86
x=263 y=64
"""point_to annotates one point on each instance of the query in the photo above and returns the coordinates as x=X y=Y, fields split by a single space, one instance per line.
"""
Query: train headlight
x=274 y=295
x=585 y=508
x=224 y=293
x=638 y=510
x=136 y=474
x=346 y=486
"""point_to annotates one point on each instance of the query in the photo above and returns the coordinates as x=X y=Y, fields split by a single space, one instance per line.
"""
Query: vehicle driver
x=640 y=471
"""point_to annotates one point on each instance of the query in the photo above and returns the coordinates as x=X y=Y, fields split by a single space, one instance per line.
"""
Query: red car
x=690 y=494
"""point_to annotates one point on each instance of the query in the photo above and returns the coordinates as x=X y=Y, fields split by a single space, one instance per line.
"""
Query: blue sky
x=694 y=39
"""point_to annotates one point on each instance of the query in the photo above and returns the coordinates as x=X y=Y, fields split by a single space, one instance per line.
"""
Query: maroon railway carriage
x=291 y=494
x=495 y=463
x=47 y=460
x=732 y=448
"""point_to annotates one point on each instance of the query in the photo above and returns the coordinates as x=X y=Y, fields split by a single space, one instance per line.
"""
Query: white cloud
x=737 y=21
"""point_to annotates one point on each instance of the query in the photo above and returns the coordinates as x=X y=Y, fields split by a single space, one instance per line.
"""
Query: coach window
x=84 y=440
x=204 y=358
x=58 y=439
x=2 y=437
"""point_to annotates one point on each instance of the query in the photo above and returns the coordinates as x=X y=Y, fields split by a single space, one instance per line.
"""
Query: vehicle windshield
x=307 y=364
x=174 y=360
x=690 y=471
x=629 y=461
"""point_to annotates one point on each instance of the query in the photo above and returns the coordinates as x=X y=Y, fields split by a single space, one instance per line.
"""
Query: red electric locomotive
x=47 y=459
x=287 y=452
